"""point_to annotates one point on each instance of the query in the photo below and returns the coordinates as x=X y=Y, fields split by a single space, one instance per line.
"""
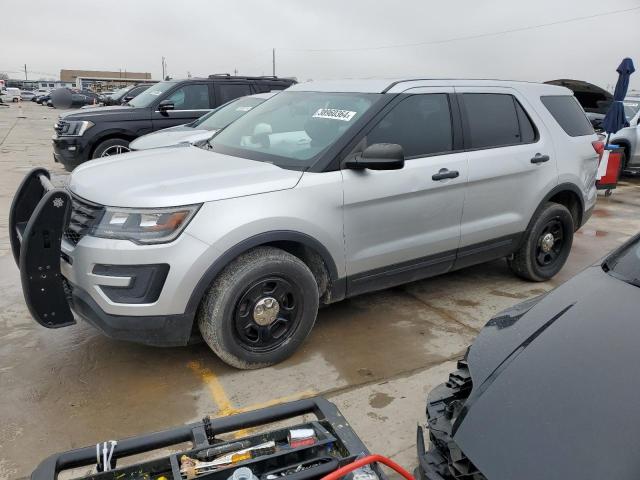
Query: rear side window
x=231 y=91
x=496 y=120
x=420 y=123
x=569 y=114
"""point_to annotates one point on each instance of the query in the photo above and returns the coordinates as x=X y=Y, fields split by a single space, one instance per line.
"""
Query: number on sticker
x=334 y=114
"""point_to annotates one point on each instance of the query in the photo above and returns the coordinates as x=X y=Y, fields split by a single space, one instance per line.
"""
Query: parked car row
x=240 y=238
x=102 y=131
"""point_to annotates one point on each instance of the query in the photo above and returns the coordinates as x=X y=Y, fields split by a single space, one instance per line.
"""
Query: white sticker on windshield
x=155 y=93
x=243 y=109
x=334 y=114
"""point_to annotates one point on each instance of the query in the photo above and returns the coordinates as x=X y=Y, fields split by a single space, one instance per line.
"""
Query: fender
x=337 y=284
x=557 y=189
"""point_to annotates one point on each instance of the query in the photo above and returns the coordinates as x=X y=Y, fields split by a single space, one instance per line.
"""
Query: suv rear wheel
x=259 y=309
x=546 y=245
x=112 y=146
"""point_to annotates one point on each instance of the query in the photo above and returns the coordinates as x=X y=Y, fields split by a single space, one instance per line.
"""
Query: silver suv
x=325 y=191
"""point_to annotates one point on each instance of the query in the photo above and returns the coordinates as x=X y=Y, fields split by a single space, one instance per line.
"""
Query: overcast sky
x=203 y=37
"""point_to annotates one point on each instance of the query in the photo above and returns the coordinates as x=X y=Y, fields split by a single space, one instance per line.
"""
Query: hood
x=554 y=389
x=168 y=137
x=175 y=176
x=110 y=113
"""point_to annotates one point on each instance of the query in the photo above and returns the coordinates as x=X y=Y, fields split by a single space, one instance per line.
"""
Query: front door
x=402 y=225
x=190 y=101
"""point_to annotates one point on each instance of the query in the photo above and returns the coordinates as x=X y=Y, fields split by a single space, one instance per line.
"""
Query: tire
x=113 y=146
x=229 y=316
x=532 y=261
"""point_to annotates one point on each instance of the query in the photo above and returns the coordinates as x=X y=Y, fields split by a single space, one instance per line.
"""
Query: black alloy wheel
x=550 y=243
x=267 y=314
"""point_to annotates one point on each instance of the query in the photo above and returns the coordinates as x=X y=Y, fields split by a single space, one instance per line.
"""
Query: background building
x=97 y=80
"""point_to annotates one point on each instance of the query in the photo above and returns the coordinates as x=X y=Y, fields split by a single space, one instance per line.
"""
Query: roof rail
x=226 y=75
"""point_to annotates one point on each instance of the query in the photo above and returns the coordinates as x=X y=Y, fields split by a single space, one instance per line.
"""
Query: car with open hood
x=548 y=389
x=202 y=129
x=326 y=191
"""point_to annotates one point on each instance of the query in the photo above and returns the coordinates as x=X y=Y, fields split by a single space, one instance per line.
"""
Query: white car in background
x=10 y=94
x=629 y=137
x=202 y=129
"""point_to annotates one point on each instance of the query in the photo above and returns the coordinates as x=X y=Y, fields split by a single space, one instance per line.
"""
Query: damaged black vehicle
x=549 y=389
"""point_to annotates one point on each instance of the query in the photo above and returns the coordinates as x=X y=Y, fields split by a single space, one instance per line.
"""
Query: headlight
x=74 y=128
x=159 y=225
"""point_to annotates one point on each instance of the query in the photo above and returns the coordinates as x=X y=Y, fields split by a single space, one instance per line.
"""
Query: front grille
x=84 y=216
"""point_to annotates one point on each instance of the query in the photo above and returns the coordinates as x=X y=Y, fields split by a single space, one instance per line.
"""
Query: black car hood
x=556 y=390
x=106 y=113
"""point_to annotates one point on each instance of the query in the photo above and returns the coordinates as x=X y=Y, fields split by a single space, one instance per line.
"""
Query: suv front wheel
x=260 y=308
x=546 y=245
x=112 y=146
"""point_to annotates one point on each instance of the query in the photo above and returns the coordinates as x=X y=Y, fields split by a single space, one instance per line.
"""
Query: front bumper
x=70 y=151
x=127 y=291
x=157 y=330
x=444 y=460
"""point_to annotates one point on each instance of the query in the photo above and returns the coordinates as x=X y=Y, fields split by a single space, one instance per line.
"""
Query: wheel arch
x=108 y=135
x=566 y=194
x=308 y=249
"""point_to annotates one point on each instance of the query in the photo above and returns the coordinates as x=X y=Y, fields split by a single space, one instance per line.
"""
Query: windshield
x=293 y=128
x=224 y=115
x=625 y=264
x=631 y=107
x=118 y=93
x=147 y=97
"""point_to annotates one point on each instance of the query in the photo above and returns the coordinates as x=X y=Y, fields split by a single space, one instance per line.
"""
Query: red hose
x=341 y=472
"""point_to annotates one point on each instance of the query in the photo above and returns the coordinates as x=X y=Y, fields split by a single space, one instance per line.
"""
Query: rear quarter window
x=569 y=114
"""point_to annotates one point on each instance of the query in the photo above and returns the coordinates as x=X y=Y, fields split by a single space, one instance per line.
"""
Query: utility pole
x=163 y=68
x=273 y=58
x=235 y=72
x=25 y=72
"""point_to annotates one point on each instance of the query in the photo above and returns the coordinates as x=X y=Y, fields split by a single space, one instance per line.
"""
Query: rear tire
x=260 y=309
x=546 y=245
x=113 y=146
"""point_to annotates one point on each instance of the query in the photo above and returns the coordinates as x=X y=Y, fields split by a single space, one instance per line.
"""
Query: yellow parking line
x=276 y=401
x=222 y=401
x=211 y=380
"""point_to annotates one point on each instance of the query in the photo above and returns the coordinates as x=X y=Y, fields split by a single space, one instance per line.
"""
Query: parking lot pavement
x=376 y=355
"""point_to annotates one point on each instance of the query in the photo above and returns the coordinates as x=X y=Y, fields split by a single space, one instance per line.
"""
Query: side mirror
x=129 y=98
x=165 y=105
x=379 y=156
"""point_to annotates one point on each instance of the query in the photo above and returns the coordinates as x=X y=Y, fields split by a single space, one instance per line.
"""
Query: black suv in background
x=89 y=133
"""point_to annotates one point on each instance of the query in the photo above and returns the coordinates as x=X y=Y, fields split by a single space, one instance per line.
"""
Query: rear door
x=511 y=163
x=227 y=91
x=191 y=100
x=402 y=225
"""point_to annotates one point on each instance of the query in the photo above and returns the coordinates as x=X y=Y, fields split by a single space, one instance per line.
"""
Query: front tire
x=260 y=309
x=112 y=146
x=546 y=246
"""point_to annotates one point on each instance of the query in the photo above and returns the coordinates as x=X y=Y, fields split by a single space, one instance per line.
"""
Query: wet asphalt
x=376 y=356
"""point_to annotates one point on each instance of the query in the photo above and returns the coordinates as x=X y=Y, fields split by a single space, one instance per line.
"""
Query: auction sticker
x=334 y=114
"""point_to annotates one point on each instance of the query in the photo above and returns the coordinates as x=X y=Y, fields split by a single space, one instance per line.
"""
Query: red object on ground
x=341 y=472
x=609 y=180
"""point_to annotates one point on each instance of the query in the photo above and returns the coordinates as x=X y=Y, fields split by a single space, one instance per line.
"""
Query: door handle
x=539 y=158
x=444 y=174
